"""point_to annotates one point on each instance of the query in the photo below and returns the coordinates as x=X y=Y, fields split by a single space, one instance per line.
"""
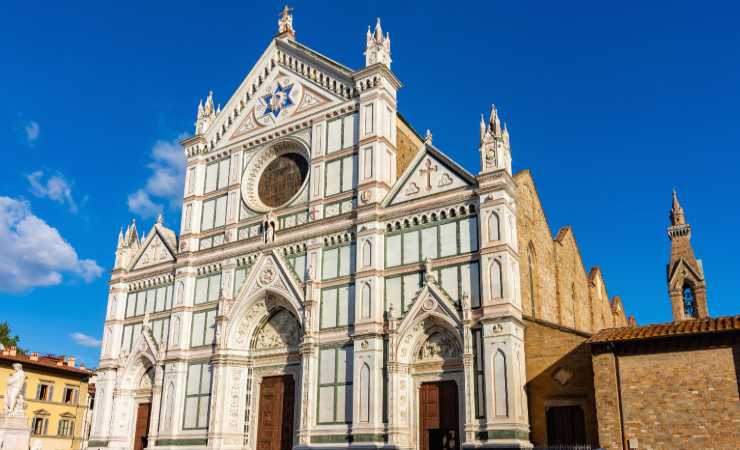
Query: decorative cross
x=313 y=212
x=427 y=171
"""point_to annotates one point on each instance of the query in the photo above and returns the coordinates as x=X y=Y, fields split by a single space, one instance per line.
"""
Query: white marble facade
x=361 y=285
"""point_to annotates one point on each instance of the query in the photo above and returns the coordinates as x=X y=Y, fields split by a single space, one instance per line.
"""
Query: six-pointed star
x=278 y=100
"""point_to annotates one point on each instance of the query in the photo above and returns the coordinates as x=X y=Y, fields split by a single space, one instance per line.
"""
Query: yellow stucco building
x=57 y=397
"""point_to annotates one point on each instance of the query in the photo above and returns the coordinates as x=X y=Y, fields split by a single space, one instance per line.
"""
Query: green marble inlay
x=502 y=434
x=331 y=439
x=179 y=442
x=97 y=444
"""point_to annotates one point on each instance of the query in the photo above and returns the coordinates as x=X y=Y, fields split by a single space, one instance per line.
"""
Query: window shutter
x=50 y=395
x=46 y=426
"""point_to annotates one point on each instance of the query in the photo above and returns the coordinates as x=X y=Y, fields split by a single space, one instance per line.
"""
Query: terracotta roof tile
x=684 y=327
x=43 y=361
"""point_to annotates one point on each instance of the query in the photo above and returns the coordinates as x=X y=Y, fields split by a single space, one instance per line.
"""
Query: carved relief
x=438 y=347
x=280 y=331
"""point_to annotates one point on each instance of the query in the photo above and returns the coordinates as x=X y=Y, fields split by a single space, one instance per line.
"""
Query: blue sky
x=609 y=106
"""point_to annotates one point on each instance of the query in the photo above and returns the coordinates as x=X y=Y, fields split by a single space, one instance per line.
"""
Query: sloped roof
x=44 y=362
x=707 y=325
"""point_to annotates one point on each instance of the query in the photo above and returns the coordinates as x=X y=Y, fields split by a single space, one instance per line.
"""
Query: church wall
x=572 y=283
x=564 y=293
x=535 y=238
x=559 y=373
x=681 y=394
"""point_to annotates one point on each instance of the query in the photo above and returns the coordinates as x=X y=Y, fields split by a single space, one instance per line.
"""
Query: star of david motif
x=277 y=101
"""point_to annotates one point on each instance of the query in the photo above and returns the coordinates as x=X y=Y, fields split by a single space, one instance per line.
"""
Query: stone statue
x=285 y=24
x=14 y=402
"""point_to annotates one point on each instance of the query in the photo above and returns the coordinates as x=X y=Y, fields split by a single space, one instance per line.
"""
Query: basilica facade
x=337 y=280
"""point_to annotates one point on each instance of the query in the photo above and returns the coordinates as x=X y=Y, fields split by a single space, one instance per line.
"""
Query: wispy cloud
x=56 y=187
x=34 y=254
x=33 y=130
x=165 y=184
x=85 y=340
x=141 y=204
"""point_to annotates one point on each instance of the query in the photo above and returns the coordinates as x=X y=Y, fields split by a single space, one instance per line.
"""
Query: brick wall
x=550 y=349
x=673 y=397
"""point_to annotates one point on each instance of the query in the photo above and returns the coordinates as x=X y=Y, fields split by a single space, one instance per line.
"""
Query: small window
x=39 y=425
x=70 y=395
x=66 y=428
x=689 y=303
x=45 y=391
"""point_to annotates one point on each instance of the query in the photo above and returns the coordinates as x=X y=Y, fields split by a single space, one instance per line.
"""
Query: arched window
x=497 y=290
x=530 y=270
x=494 y=229
x=367 y=254
x=573 y=302
x=365 y=393
x=366 y=300
x=499 y=384
x=689 y=303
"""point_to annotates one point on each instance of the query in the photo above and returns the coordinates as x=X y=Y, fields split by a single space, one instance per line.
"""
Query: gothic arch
x=279 y=329
x=410 y=342
x=250 y=315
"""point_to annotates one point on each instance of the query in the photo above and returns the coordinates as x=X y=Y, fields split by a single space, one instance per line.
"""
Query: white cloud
x=33 y=130
x=85 y=340
x=56 y=188
x=34 y=254
x=140 y=203
x=164 y=184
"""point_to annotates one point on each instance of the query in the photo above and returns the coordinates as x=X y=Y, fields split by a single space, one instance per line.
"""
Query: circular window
x=282 y=179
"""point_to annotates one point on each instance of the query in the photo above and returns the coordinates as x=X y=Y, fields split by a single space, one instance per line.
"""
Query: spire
x=494 y=124
x=208 y=110
x=206 y=113
x=120 y=239
x=482 y=127
x=677 y=215
x=686 y=284
x=377 y=46
x=494 y=143
x=160 y=219
x=378 y=32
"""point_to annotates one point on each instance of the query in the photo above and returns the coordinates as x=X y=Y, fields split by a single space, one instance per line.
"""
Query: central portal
x=275 y=429
x=438 y=416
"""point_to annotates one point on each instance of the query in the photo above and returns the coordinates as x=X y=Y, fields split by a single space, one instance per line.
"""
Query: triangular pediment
x=289 y=81
x=144 y=345
x=430 y=172
x=270 y=272
x=682 y=270
x=157 y=248
x=431 y=300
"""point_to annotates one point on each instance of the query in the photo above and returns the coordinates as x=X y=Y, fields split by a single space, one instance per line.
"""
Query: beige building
x=56 y=394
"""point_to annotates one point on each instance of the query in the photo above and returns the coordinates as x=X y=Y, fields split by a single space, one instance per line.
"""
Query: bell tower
x=686 y=284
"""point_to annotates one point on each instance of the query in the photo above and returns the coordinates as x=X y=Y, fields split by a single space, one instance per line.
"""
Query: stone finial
x=285 y=23
x=206 y=114
x=377 y=47
x=428 y=137
x=160 y=219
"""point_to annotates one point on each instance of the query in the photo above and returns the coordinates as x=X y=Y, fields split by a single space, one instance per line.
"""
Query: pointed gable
x=159 y=247
x=430 y=172
x=288 y=80
x=271 y=272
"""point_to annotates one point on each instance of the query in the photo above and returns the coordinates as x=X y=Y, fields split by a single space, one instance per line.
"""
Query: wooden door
x=275 y=429
x=141 y=428
x=438 y=416
x=566 y=425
